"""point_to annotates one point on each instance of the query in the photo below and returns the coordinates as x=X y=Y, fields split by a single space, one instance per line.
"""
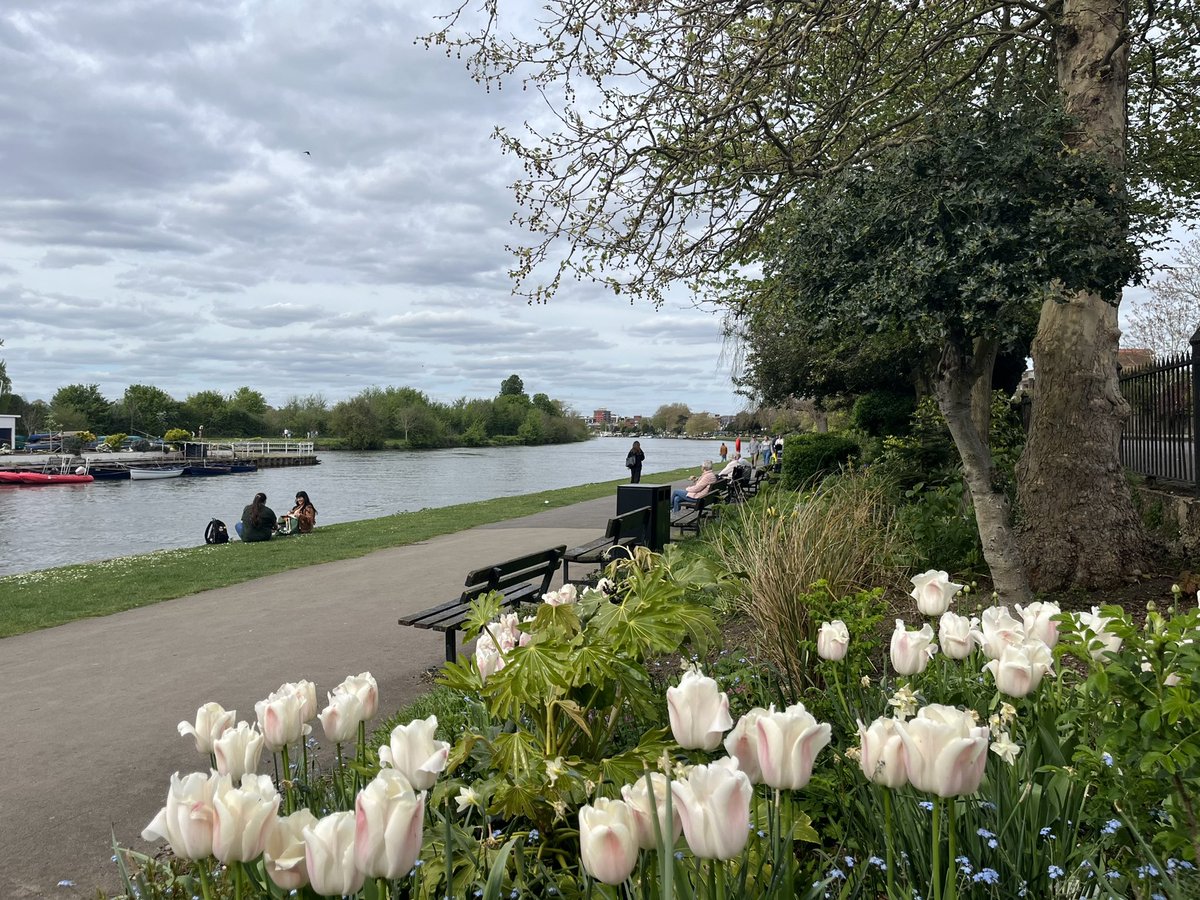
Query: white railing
x=272 y=448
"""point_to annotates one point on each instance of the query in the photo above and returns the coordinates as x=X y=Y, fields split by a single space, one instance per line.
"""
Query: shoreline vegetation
x=30 y=601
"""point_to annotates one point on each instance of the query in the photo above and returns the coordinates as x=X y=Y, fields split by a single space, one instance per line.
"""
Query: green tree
x=546 y=405
x=702 y=122
x=512 y=386
x=358 y=423
x=78 y=406
x=145 y=409
x=700 y=424
x=303 y=415
x=248 y=401
x=957 y=238
x=5 y=381
x=671 y=417
x=533 y=430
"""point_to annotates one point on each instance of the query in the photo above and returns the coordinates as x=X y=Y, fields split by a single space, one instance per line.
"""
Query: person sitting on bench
x=700 y=486
x=731 y=470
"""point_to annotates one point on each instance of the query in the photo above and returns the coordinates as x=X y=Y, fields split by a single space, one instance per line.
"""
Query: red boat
x=42 y=478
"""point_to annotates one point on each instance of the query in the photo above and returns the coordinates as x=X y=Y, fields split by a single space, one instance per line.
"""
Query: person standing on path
x=724 y=451
x=633 y=462
x=737 y=444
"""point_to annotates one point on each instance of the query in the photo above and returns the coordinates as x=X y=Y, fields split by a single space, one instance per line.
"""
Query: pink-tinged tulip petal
x=945 y=751
x=414 y=753
x=742 y=744
x=958 y=635
x=833 y=640
x=364 y=687
x=341 y=717
x=714 y=808
x=881 y=755
x=1039 y=622
x=637 y=797
x=284 y=855
x=788 y=743
x=1000 y=630
x=933 y=591
x=329 y=856
x=699 y=711
x=243 y=817
x=388 y=826
x=212 y=720
x=280 y=718
x=911 y=650
x=238 y=751
x=186 y=822
x=608 y=849
x=1020 y=668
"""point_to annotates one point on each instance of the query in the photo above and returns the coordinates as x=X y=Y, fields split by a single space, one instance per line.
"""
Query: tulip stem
x=205 y=884
x=360 y=755
x=890 y=843
x=382 y=891
x=288 y=807
x=339 y=784
x=936 y=870
x=837 y=683
x=951 y=879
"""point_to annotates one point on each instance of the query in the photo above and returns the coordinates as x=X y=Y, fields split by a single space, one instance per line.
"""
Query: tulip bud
x=238 y=751
x=563 y=596
x=1020 y=668
x=341 y=717
x=243 y=817
x=389 y=818
x=637 y=797
x=365 y=688
x=714 y=808
x=881 y=756
x=945 y=751
x=606 y=840
x=742 y=744
x=1038 y=621
x=933 y=591
x=329 y=856
x=958 y=635
x=211 y=722
x=788 y=743
x=280 y=718
x=186 y=822
x=283 y=856
x=833 y=640
x=911 y=650
x=414 y=753
x=699 y=711
x=1102 y=641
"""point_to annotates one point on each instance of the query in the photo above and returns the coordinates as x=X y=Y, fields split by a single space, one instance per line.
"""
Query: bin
x=658 y=498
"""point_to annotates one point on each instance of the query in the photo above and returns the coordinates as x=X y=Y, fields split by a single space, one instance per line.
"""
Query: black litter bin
x=658 y=498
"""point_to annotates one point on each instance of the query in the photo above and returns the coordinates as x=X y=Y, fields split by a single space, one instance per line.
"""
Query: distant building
x=8 y=431
x=1134 y=357
x=603 y=417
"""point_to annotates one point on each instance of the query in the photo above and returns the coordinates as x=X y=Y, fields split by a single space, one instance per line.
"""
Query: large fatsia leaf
x=560 y=621
x=534 y=674
x=484 y=609
x=513 y=751
x=628 y=766
x=642 y=627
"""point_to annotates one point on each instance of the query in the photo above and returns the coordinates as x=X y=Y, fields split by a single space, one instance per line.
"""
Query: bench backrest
x=499 y=576
x=633 y=522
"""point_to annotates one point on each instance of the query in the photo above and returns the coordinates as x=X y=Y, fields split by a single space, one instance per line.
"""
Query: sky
x=290 y=195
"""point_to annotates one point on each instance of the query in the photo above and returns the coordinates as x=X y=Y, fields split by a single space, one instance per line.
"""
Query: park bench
x=692 y=513
x=760 y=475
x=521 y=580
x=626 y=530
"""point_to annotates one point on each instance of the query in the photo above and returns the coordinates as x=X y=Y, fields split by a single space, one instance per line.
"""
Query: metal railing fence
x=1159 y=437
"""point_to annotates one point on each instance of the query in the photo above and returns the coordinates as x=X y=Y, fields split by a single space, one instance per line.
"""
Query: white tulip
x=212 y=720
x=933 y=591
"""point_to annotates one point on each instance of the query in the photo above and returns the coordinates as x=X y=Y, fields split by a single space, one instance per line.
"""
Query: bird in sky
x=306 y=153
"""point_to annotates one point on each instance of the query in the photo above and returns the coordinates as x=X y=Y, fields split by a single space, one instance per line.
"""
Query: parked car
x=135 y=442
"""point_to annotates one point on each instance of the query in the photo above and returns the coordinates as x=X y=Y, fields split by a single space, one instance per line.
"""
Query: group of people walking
x=259 y=522
x=767 y=449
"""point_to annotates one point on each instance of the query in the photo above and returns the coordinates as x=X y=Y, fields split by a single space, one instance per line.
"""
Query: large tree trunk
x=1080 y=529
x=958 y=378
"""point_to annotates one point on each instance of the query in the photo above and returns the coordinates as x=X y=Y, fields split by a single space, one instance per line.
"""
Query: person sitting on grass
x=699 y=487
x=301 y=518
x=258 y=520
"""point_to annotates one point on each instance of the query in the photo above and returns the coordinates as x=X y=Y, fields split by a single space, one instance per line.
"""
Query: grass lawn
x=42 y=599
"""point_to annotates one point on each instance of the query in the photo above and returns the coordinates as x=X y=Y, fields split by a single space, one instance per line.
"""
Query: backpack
x=216 y=533
x=631 y=460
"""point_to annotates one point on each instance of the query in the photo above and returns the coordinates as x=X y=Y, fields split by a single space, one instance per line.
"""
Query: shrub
x=843 y=534
x=808 y=457
x=939 y=522
x=883 y=412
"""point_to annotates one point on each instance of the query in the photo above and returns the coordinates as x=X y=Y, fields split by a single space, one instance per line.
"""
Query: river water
x=55 y=525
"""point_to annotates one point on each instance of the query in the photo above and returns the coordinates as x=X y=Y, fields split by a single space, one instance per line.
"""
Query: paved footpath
x=88 y=739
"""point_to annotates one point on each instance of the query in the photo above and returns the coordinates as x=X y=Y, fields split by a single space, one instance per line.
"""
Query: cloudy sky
x=202 y=194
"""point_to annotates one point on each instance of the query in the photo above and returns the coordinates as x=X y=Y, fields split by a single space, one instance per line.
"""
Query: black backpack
x=216 y=533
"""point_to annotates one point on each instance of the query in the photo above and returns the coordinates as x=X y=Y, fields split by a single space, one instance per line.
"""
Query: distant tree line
x=373 y=419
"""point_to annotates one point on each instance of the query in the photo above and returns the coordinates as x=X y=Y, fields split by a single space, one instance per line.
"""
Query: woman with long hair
x=633 y=462
x=300 y=518
x=258 y=520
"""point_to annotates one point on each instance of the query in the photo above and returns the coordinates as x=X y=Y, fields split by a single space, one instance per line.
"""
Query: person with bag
x=633 y=462
x=302 y=517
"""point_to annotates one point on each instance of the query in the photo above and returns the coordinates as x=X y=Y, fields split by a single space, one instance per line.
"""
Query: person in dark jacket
x=633 y=462
x=258 y=520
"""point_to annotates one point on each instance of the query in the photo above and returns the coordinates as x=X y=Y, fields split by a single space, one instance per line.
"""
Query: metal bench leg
x=566 y=572
x=451 y=645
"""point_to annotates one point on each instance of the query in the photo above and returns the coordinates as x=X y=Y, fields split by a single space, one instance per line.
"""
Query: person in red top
x=737 y=445
x=699 y=487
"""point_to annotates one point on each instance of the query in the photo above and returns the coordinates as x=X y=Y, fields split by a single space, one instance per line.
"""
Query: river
x=56 y=525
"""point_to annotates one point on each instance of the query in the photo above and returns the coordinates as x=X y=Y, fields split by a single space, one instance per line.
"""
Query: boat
x=205 y=471
x=147 y=474
x=26 y=478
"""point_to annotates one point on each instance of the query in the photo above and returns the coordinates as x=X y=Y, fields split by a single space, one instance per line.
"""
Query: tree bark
x=956 y=382
x=1079 y=526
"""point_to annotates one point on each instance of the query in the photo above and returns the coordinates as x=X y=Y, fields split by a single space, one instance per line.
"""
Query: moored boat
x=139 y=474
x=26 y=478
x=205 y=471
